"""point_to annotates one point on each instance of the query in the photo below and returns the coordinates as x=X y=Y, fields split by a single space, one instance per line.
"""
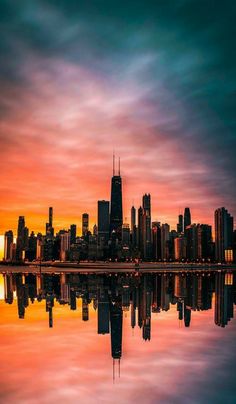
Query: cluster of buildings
x=112 y=295
x=113 y=239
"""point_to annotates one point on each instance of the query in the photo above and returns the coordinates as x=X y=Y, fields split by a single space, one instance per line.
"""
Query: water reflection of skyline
x=112 y=295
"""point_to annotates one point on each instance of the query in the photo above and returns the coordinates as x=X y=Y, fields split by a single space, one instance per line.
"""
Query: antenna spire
x=113 y=163
x=119 y=166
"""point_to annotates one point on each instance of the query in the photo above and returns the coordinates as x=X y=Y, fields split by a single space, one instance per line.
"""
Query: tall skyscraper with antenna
x=187 y=218
x=116 y=210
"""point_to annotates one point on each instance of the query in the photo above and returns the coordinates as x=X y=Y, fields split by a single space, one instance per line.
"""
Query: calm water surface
x=155 y=338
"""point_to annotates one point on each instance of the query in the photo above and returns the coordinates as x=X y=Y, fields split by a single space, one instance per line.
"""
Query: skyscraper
x=224 y=224
x=180 y=248
x=187 y=217
x=133 y=218
x=133 y=229
x=103 y=220
x=8 y=240
x=20 y=238
x=64 y=245
x=165 y=238
x=191 y=233
x=156 y=241
x=140 y=230
x=180 y=225
x=49 y=227
x=116 y=210
x=204 y=242
x=72 y=234
x=85 y=224
x=147 y=204
x=147 y=247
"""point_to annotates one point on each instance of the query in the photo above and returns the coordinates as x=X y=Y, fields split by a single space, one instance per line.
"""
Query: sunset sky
x=154 y=81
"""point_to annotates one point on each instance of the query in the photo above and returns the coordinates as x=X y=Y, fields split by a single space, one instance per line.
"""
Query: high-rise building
x=133 y=229
x=224 y=302
x=49 y=224
x=204 y=242
x=85 y=224
x=116 y=209
x=224 y=224
x=20 y=241
x=95 y=230
x=50 y=216
x=187 y=218
x=165 y=238
x=191 y=234
x=103 y=220
x=64 y=245
x=156 y=241
x=147 y=246
x=8 y=240
x=133 y=219
x=180 y=227
x=116 y=325
x=125 y=234
x=140 y=230
x=103 y=312
x=180 y=248
x=72 y=234
x=32 y=247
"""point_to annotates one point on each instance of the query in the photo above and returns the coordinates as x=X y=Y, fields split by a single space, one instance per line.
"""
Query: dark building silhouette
x=140 y=230
x=73 y=304
x=103 y=312
x=180 y=225
x=20 y=241
x=116 y=209
x=204 y=242
x=224 y=224
x=133 y=227
x=156 y=241
x=146 y=227
x=191 y=234
x=223 y=298
x=187 y=218
x=49 y=224
x=72 y=234
x=32 y=247
x=103 y=220
x=8 y=288
x=116 y=294
x=116 y=320
x=8 y=241
x=85 y=224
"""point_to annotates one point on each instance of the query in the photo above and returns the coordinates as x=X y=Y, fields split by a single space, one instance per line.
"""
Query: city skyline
x=115 y=238
x=152 y=92
x=63 y=219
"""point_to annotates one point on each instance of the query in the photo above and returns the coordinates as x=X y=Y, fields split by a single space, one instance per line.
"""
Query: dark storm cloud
x=181 y=53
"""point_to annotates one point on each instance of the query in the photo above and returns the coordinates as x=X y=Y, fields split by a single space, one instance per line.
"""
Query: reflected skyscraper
x=103 y=312
x=116 y=320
